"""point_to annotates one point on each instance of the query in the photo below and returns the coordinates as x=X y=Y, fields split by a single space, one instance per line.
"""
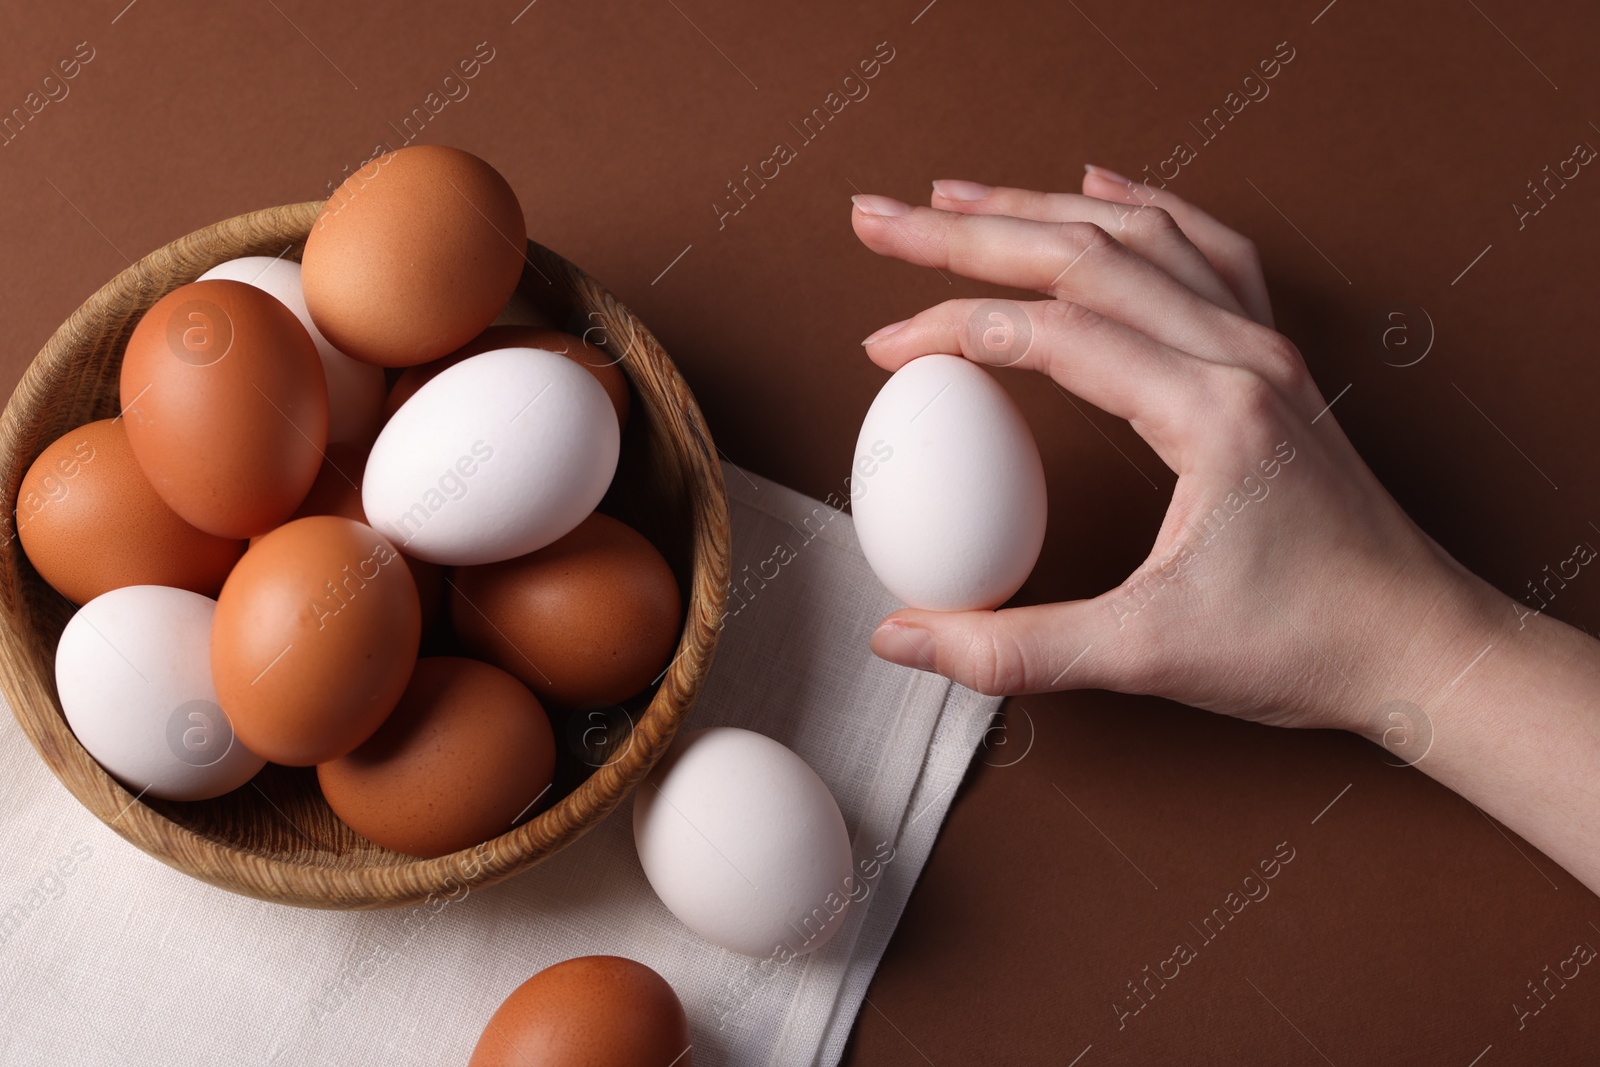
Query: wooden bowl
x=276 y=838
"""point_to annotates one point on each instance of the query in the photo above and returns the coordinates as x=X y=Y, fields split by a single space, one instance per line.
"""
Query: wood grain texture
x=276 y=839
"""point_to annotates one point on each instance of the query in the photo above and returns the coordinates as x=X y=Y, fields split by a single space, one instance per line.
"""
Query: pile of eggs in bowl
x=321 y=469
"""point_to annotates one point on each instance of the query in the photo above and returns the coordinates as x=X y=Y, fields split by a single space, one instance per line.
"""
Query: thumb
x=1036 y=649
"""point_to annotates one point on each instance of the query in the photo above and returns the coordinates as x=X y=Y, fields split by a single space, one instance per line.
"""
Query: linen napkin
x=107 y=956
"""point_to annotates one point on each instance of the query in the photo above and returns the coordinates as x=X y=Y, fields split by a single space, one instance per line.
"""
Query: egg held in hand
x=90 y=521
x=599 y=1011
x=464 y=755
x=743 y=842
x=225 y=405
x=315 y=637
x=585 y=622
x=947 y=488
x=134 y=678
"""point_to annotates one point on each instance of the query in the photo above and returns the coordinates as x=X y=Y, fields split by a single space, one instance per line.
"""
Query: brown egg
x=429 y=578
x=466 y=752
x=314 y=638
x=593 y=358
x=225 y=405
x=337 y=488
x=90 y=522
x=536 y=305
x=337 y=491
x=413 y=256
x=584 y=622
x=598 y=1011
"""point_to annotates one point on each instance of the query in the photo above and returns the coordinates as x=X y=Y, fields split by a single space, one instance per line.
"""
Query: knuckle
x=1080 y=238
x=997 y=332
x=1075 y=242
x=995 y=665
x=1245 y=395
x=1068 y=316
x=1151 y=221
x=1246 y=254
x=1278 y=358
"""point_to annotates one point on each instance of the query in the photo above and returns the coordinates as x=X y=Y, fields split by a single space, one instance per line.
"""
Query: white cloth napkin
x=109 y=957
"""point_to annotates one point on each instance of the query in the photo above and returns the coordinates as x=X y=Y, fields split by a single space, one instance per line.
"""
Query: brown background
x=1396 y=141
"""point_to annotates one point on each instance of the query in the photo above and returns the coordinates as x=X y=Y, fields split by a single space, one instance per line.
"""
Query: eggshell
x=744 y=844
x=135 y=686
x=597 y=1011
x=316 y=632
x=414 y=255
x=947 y=488
x=225 y=406
x=337 y=488
x=337 y=491
x=584 y=622
x=90 y=522
x=356 y=390
x=605 y=367
x=496 y=457
x=429 y=578
x=463 y=756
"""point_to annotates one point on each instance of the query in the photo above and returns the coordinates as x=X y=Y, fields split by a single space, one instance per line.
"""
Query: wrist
x=1477 y=667
x=1414 y=663
x=1515 y=728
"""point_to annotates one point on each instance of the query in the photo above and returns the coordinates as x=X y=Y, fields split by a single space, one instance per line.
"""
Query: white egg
x=495 y=457
x=133 y=669
x=947 y=489
x=356 y=390
x=744 y=844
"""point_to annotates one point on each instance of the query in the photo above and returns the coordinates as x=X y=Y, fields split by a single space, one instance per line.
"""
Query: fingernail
x=873 y=204
x=956 y=189
x=878 y=335
x=1102 y=172
x=909 y=646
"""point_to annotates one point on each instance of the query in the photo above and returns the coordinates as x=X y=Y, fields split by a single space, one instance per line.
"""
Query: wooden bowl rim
x=302 y=882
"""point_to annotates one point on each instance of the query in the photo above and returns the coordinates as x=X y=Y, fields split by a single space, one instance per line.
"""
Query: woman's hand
x=1285 y=584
